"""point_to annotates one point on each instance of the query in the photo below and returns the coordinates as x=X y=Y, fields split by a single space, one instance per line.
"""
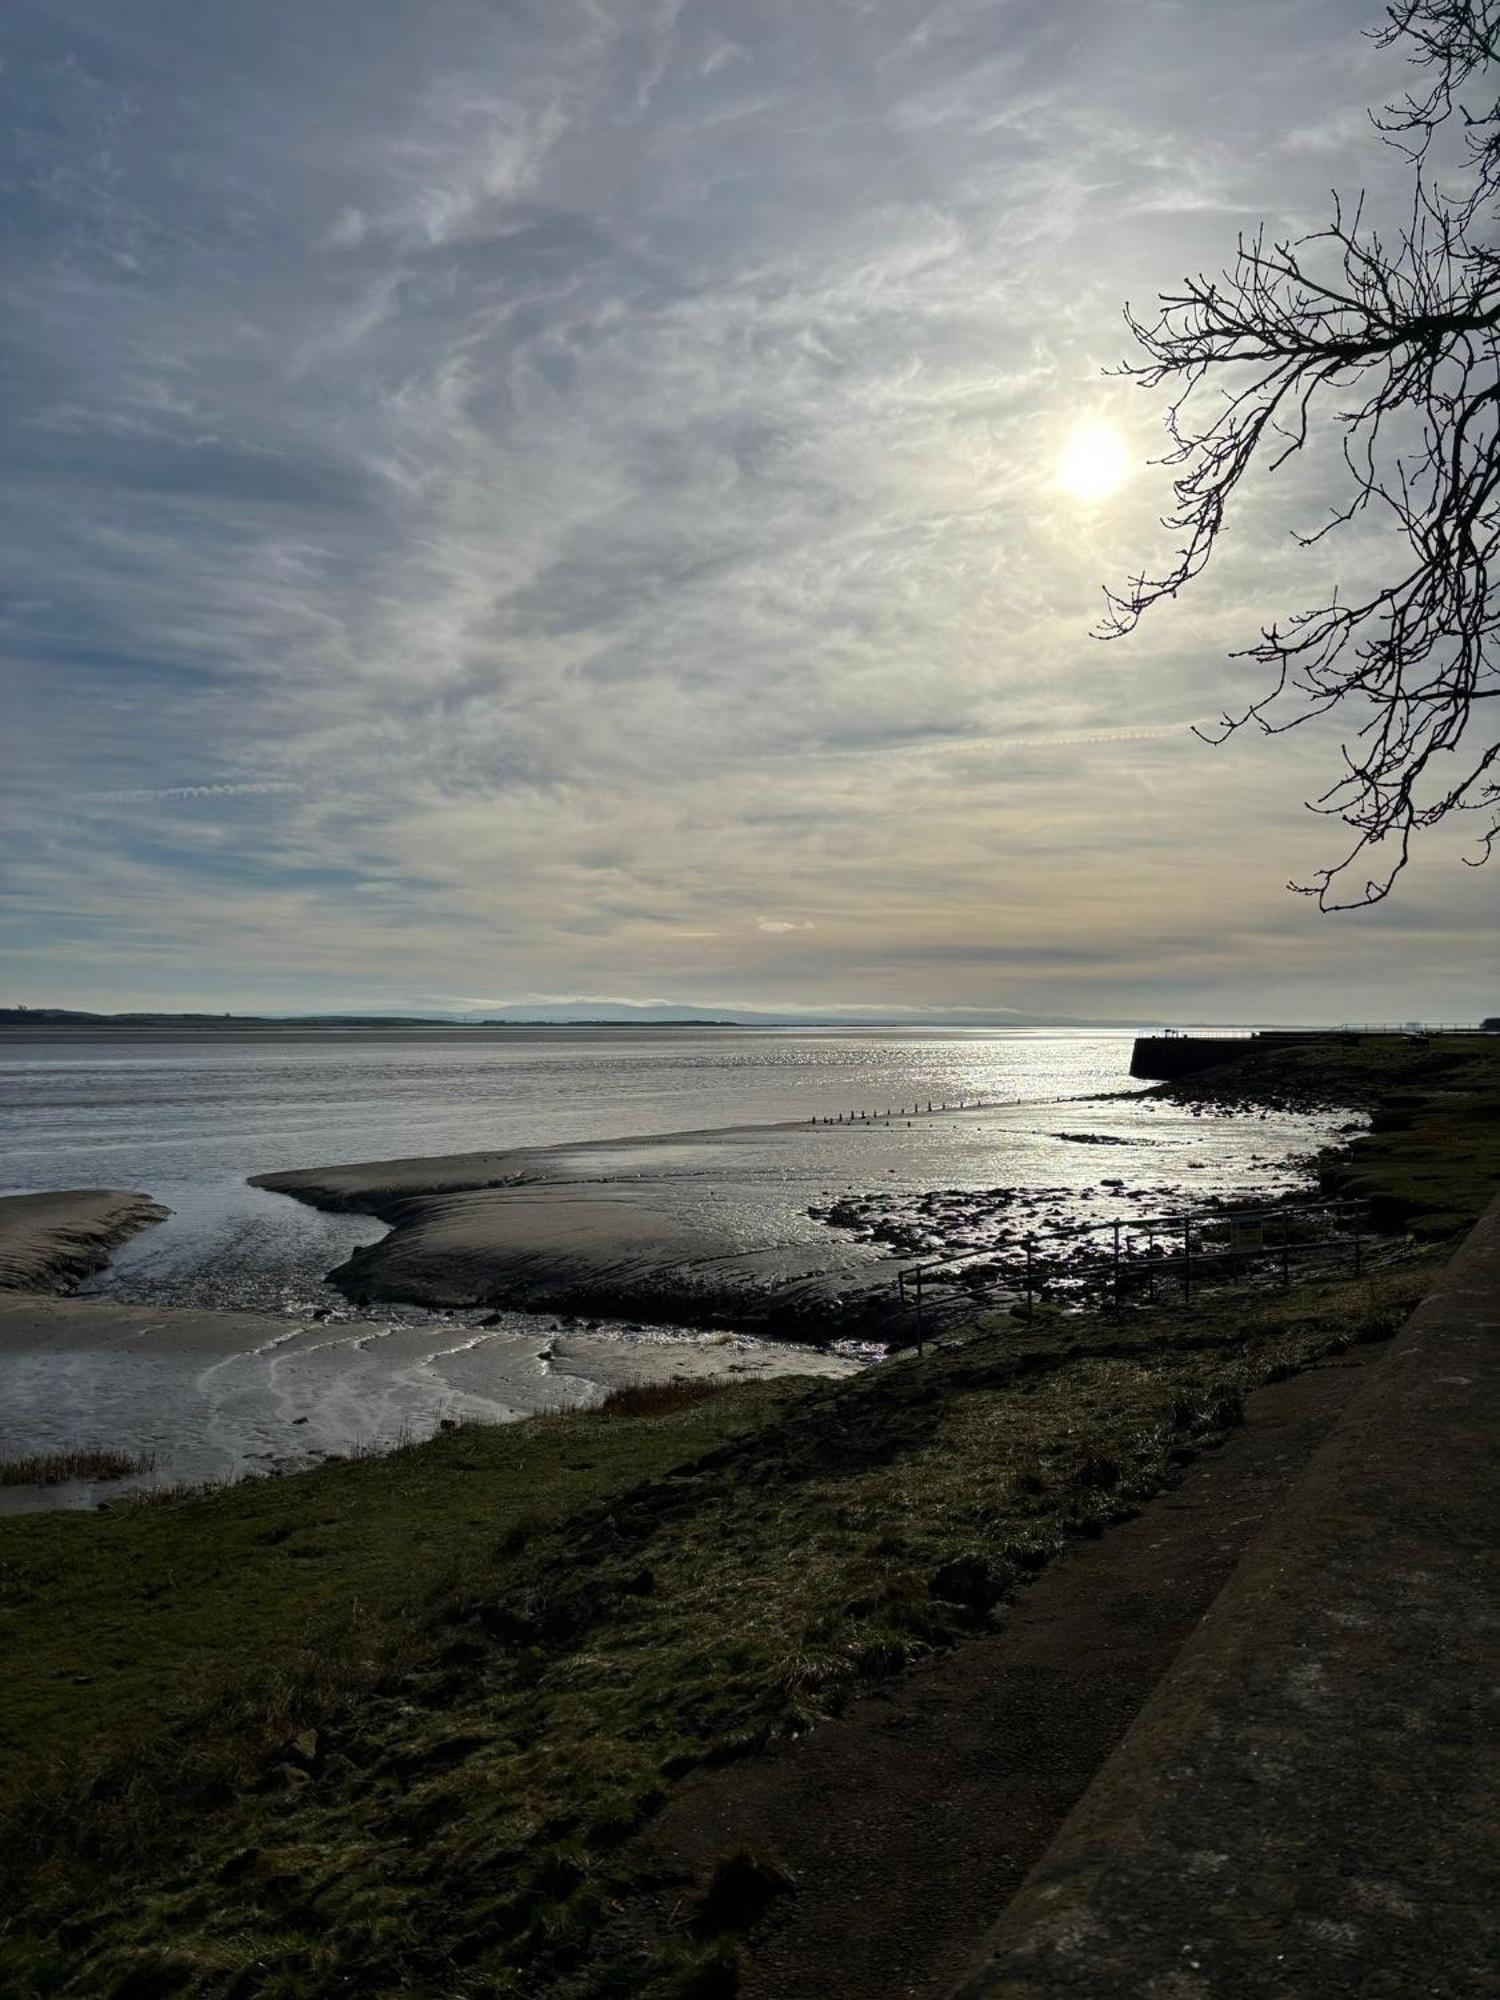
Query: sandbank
x=50 y=1242
x=656 y=1229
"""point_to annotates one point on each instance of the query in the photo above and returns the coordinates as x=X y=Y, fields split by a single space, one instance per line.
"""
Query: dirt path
x=909 y=1822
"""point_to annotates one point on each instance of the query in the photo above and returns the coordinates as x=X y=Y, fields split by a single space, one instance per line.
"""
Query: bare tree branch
x=1395 y=345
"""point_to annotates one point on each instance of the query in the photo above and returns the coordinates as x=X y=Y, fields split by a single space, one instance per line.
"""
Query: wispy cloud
x=254 y=788
x=600 y=458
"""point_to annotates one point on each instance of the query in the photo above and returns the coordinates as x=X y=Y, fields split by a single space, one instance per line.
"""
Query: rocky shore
x=766 y=1228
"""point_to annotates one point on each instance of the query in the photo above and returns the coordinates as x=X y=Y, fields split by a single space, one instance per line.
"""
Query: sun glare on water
x=1094 y=462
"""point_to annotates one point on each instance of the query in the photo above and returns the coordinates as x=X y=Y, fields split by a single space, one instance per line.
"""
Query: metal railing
x=1380 y=1028
x=1345 y=1029
x=1199 y=1035
x=1135 y=1253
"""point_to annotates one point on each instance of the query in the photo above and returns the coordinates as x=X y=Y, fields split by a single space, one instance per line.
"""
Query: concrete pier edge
x=1305 y=1807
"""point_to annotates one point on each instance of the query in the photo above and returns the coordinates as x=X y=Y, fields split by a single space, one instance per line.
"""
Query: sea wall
x=1305 y=1806
x=1162 y=1058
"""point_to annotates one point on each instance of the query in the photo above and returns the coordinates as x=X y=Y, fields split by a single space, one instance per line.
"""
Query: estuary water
x=187 y=1118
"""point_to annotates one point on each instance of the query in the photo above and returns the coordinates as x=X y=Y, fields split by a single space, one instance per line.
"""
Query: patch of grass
x=656 y=1399
x=173 y=1647
x=56 y=1468
x=387 y=1727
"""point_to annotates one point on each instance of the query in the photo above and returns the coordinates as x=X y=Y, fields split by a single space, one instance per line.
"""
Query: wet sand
x=659 y=1229
x=49 y=1242
x=215 y=1394
x=797 y=1231
x=530 y=1279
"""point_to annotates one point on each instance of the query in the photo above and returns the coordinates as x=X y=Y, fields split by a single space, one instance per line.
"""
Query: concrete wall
x=1305 y=1808
x=1162 y=1057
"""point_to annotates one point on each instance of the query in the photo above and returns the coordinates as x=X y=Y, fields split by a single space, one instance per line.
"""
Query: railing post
x=1029 y=1307
x=1187 y=1260
x=921 y=1328
x=1117 y=1266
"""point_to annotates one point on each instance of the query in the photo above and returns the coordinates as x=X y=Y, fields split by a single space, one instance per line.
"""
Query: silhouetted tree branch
x=1395 y=344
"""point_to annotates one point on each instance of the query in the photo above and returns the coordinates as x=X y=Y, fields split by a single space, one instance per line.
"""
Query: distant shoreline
x=624 y=1014
x=38 y=1020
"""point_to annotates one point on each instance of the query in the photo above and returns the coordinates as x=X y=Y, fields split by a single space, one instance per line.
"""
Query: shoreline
x=658 y=1227
x=667 y=1234
x=215 y=1395
x=582 y=1615
x=298 y=1395
x=515 y=1229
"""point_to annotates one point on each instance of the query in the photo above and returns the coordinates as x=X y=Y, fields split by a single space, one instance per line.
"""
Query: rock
x=974 y=1581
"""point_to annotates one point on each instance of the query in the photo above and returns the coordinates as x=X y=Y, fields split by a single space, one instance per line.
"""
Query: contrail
x=957 y=746
x=249 y=789
x=1082 y=736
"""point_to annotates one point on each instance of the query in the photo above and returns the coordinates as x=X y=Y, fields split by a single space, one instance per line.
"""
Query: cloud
x=600 y=458
x=249 y=789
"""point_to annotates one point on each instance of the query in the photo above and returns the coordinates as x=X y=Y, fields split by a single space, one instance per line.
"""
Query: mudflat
x=652 y=1228
x=209 y=1394
x=213 y=1392
x=795 y=1230
x=49 y=1242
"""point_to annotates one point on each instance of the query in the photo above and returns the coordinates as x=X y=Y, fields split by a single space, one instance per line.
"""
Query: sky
x=513 y=503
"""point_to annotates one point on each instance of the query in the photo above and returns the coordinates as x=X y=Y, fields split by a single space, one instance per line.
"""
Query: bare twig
x=1396 y=346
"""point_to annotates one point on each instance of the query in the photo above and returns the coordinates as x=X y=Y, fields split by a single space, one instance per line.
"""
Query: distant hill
x=46 y=1017
x=583 y=1015
x=72 y=1017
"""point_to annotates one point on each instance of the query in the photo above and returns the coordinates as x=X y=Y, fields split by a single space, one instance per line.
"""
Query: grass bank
x=386 y=1727
x=57 y=1468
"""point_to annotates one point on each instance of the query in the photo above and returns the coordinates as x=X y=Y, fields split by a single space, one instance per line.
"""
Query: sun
x=1094 y=462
